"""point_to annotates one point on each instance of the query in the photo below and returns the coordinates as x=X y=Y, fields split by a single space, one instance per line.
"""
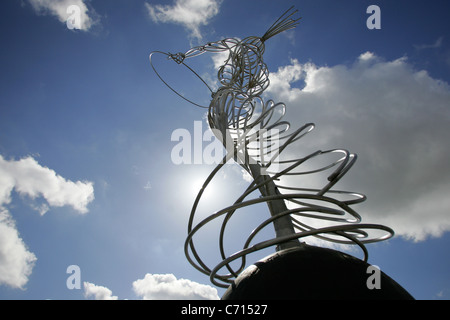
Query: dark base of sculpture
x=310 y=273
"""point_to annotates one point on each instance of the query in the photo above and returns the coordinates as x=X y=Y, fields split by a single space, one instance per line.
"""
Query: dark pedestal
x=310 y=272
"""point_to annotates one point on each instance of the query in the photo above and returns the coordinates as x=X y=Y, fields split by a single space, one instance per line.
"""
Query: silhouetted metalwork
x=256 y=134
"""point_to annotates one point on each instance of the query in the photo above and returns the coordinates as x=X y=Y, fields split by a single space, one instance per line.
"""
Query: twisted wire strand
x=283 y=23
x=256 y=136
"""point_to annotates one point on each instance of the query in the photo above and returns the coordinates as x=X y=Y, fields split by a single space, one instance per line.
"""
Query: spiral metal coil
x=255 y=135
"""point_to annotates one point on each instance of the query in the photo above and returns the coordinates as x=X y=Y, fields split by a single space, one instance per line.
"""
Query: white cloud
x=16 y=262
x=191 y=14
x=395 y=118
x=59 y=9
x=157 y=287
x=168 y=287
x=97 y=292
x=29 y=178
x=435 y=45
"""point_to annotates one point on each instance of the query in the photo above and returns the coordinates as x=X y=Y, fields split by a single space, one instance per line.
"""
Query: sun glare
x=193 y=184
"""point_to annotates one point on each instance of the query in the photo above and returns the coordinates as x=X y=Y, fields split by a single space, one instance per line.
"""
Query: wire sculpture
x=254 y=133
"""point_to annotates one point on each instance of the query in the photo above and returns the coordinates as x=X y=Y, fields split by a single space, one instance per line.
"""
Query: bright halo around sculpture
x=192 y=182
x=196 y=186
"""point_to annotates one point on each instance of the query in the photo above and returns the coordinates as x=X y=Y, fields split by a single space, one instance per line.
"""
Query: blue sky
x=86 y=175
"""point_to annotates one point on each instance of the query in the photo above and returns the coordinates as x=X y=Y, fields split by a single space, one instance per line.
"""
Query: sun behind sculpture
x=255 y=134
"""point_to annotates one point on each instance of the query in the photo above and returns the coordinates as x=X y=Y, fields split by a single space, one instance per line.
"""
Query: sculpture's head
x=244 y=71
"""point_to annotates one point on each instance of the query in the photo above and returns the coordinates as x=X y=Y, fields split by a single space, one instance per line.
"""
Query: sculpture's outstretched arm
x=214 y=47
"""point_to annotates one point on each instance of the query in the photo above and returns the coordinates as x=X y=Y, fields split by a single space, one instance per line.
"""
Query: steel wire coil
x=256 y=137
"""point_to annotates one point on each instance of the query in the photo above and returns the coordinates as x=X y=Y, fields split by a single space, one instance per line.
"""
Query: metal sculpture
x=248 y=126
